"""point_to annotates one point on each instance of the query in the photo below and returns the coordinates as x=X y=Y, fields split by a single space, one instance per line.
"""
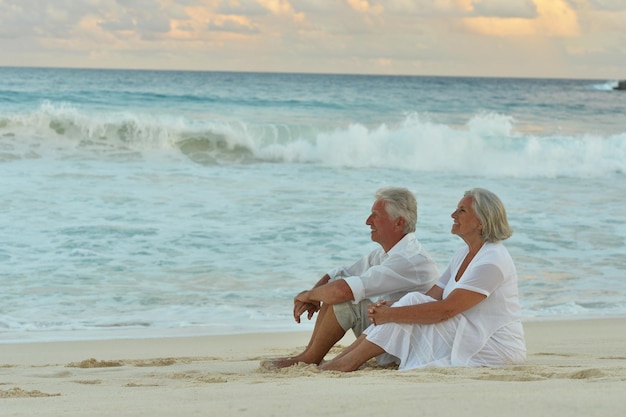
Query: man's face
x=383 y=229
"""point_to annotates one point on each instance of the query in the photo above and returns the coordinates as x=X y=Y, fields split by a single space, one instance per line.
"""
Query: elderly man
x=341 y=297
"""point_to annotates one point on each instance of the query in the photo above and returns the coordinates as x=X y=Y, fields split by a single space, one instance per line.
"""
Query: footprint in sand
x=20 y=393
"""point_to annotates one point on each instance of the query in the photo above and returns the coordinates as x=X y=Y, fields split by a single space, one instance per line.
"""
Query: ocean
x=169 y=203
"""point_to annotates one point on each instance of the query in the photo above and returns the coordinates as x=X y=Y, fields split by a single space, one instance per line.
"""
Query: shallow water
x=142 y=203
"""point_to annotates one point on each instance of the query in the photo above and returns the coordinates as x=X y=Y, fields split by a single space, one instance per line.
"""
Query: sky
x=492 y=38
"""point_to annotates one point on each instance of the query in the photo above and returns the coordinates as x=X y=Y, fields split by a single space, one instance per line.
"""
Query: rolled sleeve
x=357 y=287
x=393 y=278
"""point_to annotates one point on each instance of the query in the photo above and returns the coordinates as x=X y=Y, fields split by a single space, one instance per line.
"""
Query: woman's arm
x=457 y=302
x=436 y=292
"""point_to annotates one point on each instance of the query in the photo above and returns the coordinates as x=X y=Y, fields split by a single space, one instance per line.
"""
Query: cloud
x=443 y=37
x=241 y=8
x=37 y=18
x=553 y=18
x=505 y=8
x=280 y=7
x=124 y=23
x=234 y=25
x=608 y=5
x=364 y=6
x=144 y=17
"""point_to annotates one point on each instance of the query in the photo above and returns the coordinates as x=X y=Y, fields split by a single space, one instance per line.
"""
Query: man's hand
x=302 y=303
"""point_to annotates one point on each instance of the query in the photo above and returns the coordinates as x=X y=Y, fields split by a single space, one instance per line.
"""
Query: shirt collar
x=402 y=243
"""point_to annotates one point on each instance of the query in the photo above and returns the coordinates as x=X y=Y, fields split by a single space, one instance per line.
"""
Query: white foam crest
x=488 y=145
x=606 y=86
x=72 y=126
x=138 y=131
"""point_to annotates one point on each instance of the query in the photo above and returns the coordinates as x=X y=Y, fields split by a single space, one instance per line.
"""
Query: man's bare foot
x=279 y=363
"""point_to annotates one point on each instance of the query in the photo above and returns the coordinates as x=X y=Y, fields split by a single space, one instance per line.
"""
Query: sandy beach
x=574 y=368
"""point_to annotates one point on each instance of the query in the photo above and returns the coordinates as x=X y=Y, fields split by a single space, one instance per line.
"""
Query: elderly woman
x=471 y=317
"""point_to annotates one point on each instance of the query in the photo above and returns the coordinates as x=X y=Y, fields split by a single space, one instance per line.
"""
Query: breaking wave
x=488 y=143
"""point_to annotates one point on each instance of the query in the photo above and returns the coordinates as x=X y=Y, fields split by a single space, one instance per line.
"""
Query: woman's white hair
x=491 y=214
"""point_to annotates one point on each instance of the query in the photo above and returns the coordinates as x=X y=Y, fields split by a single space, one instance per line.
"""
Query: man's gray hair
x=491 y=213
x=399 y=202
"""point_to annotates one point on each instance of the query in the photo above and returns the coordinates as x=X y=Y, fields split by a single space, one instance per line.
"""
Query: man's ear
x=400 y=222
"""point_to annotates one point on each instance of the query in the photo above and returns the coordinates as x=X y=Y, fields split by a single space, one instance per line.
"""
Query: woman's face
x=466 y=223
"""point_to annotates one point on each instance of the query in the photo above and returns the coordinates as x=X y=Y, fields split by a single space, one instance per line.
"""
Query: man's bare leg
x=354 y=356
x=326 y=333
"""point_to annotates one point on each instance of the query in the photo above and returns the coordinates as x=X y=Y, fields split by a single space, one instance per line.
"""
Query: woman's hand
x=378 y=312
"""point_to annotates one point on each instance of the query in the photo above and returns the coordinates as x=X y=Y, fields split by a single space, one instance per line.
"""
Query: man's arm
x=337 y=292
x=322 y=281
x=311 y=307
x=332 y=293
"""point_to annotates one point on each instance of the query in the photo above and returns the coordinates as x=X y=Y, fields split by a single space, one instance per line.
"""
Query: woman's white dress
x=488 y=334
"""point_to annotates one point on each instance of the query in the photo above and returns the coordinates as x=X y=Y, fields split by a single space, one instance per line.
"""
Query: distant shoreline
x=221 y=71
x=204 y=332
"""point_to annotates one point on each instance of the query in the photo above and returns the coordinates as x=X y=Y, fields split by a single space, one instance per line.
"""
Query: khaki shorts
x=353 y=316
